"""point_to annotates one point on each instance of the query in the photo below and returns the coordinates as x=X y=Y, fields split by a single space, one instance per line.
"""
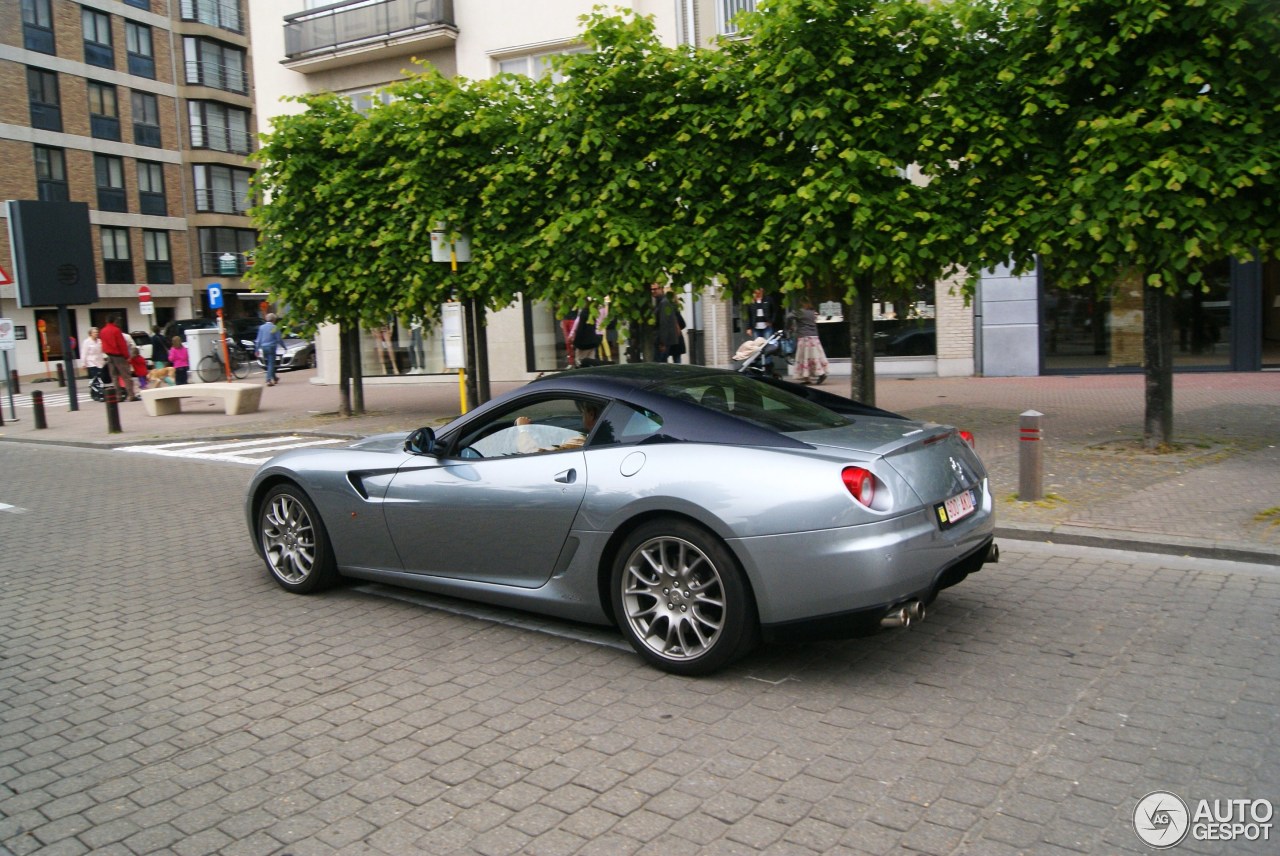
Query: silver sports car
x=697 y=509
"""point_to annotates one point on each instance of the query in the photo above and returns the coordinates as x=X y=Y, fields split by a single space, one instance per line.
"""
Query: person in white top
x=91 y=354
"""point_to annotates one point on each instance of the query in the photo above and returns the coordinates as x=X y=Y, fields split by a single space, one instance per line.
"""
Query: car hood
x=393 y=442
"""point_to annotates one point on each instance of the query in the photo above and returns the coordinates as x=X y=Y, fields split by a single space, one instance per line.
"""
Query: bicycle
x=212 y=368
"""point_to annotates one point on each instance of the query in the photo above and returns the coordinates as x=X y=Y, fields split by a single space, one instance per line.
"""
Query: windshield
x=754 y=402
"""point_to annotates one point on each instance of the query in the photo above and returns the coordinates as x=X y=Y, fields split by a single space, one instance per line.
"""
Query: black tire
x=210 y=369
x=293 y=541
x=239 y=365
x=703 y=622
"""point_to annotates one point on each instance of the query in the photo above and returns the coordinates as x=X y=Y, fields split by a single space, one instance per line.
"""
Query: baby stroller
x=764 y=357
x=99 y=384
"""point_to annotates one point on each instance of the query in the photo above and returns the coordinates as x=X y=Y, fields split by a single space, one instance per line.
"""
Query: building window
x=364 y=99
x=222 y=189
x=728 y=10
x=223 y=14
x=151 y=199
x=215 y=243
x=146 y=119
x=142 y=59
x=42 y=95
x=536 y=65
x=155 y=252
x=104 y=112
x=139 y=4
x=219 y=127
x=211 y=63
x=37 y=26
x=51 y=175
x=108 y=173
x=96 y=27
x=116 y=266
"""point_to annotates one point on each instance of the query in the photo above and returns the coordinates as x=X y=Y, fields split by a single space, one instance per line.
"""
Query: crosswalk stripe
x=251 y=452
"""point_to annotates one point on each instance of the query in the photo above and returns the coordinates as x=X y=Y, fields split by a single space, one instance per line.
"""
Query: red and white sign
x=144 y=299
x=144 y=294
x=4 y=277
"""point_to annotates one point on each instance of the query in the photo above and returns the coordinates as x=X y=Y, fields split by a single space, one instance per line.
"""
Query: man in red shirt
x=115 y=346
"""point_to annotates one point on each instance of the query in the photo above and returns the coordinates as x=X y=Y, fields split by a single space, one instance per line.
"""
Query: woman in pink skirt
x=810 y=364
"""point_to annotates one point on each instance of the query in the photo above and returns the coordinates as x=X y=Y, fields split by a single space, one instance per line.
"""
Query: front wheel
x=681 y=600
x=210 y=369
x=294 y=542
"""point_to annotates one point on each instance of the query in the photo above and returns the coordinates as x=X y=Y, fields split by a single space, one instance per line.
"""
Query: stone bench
x=236 y=397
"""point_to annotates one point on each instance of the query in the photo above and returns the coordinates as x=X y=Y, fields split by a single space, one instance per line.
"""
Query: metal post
x=1030 y=457
x=37 y=408
x=112 y=394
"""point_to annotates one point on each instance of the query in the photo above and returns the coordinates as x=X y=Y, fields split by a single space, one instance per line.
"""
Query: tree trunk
x=468 y=324
x=344 y=370
x=481 y=322
x=357 y=372
x=862 y=375
x=1157 y=346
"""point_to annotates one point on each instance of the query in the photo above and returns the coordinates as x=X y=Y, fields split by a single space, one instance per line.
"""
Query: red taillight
x=860 y=483
x=967 y=436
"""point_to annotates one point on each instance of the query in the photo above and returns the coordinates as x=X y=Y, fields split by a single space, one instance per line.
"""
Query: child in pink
x=179 y=359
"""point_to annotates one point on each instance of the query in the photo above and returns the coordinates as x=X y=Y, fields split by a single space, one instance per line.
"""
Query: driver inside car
x=526 y=444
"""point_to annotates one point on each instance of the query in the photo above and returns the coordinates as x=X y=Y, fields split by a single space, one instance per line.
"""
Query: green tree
x=1120 y=138
x=839 y=110
x=317 y=256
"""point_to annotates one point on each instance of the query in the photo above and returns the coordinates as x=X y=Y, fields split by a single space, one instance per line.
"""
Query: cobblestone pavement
x=158 y=694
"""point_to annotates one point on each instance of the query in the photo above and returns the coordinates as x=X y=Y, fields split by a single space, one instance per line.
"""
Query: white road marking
x=252 y=452
x=12 y=509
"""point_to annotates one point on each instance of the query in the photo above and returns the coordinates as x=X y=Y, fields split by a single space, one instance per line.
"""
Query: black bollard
x=37 y=407
x=112 y=395
x=13 y=376
x=62 y=375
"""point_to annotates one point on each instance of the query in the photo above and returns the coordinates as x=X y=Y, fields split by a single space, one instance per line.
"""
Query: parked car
x=293 y=353
x=699 y=510
x=180 y=326
x=142 y=340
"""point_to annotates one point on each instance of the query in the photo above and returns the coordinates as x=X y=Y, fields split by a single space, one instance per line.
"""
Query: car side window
x=550 y=425
x=624 y=424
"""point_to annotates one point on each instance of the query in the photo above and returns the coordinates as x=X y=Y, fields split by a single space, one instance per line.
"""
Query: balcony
x=358 y=31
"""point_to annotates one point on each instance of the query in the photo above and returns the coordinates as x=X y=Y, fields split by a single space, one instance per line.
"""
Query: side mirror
x=421 y=442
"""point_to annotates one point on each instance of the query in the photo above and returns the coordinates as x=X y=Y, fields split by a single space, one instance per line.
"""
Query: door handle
x=567 y=477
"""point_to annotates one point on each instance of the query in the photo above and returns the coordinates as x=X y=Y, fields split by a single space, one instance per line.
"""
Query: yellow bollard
x=462 y=390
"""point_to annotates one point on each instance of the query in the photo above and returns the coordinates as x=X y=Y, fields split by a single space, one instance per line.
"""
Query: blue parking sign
x=215 y=295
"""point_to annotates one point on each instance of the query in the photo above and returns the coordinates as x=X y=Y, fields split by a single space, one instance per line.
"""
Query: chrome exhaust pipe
x=904 y=615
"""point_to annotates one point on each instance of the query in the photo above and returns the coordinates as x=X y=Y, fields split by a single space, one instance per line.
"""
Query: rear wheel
x=294 y=542
x=681 y=600
x=210 y=369
x=239 y=365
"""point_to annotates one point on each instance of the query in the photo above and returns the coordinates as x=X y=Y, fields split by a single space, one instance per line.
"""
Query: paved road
x=158 y=694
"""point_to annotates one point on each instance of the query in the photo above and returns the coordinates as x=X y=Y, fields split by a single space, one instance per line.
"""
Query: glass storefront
x=403 y=346
x=1082 y=330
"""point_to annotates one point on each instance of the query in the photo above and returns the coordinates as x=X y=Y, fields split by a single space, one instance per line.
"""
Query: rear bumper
x=839 y=572
x=864 y=622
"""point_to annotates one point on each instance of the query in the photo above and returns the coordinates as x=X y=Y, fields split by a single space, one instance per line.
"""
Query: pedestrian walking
x=180 y=359
x=670 y=329
x=116 y=348
x=810 y=364
x=91 y=354
x=159 y=348
x=266 y=344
